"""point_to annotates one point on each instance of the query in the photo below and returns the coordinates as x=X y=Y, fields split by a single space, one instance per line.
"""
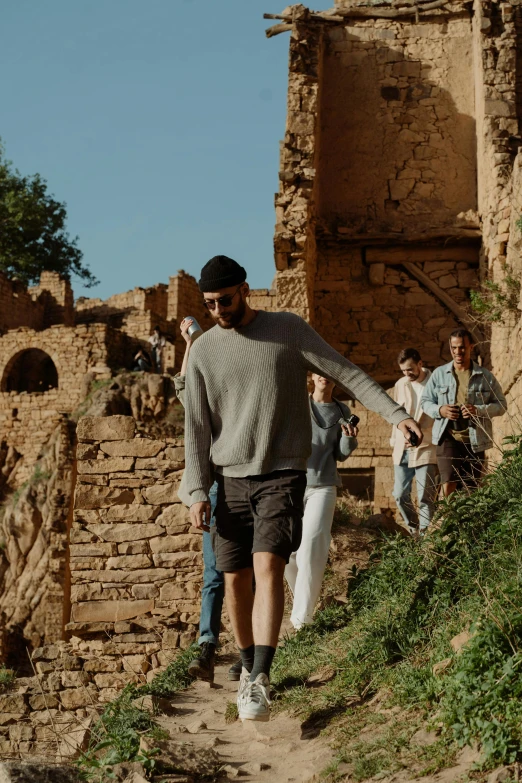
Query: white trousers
x=305 y=570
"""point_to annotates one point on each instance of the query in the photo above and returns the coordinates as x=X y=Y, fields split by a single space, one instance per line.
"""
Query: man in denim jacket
x=462 y=398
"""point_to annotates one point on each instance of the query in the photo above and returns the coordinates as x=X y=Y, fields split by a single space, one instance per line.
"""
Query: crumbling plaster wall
x=396 y=127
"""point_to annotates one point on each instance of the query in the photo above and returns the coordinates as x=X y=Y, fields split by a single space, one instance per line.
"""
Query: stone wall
x=379 y=222
x=49 y=713
x=57 y=295
x=27 y=419
x=48 y=303
x=396 y=142
x=264 y=299
x=135 y=567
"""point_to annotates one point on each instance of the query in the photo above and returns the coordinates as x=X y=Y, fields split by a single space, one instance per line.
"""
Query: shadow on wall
x=397 y=141
x=30 y=371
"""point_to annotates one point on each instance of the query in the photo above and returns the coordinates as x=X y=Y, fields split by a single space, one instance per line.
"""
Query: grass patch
x=401 y=615
x=231 y=712
x=7 y=678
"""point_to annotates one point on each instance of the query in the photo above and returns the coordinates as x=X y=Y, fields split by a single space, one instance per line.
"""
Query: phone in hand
x=414 y=438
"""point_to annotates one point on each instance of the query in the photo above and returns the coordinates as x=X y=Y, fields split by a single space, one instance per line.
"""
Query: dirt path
x=272 y=752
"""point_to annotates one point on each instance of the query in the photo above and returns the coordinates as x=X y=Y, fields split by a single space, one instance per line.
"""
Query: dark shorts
x=258 y=514
x=458 y=462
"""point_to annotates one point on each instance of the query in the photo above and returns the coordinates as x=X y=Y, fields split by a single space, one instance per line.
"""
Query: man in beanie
x=248 y=415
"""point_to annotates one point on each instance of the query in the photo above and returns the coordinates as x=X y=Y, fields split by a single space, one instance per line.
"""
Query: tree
x=33 y=238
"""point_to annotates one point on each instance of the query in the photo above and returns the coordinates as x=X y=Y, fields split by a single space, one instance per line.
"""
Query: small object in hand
x=414 y=438
x=352 y=421
x=194 y=331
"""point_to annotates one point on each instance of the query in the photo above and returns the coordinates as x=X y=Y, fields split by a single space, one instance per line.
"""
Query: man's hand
x=349 y=430
x=184 y=327
x=468 y=410
x=200 y=515
x=410 y=425
x=449 y=412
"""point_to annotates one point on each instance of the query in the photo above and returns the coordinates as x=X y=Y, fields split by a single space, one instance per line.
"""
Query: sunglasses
x=224 y=301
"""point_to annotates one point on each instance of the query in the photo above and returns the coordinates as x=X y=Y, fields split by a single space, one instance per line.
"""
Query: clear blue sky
x=158 y=123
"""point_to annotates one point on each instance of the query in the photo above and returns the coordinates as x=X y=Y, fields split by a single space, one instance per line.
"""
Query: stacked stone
x=49 y=714
x=369 y=312
x=27 y=420
x=136 y=568
x=264 y=299
x=17 y=306
x=293 y=239
x=496 y=31
x=499 y=27
x=153 y=298
x=56 y=294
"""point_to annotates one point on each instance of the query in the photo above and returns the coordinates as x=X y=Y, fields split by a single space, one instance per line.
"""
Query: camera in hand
x=461 y=423
x=352 y=421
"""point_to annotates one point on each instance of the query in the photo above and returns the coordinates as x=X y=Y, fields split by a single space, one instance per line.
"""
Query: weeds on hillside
x=403 y=611
x=494 y=301
x=7 y=678
x=349 y=507
x=116 y=736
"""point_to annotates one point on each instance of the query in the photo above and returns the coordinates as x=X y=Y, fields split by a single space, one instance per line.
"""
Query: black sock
x=247 y=657
x=262 y=661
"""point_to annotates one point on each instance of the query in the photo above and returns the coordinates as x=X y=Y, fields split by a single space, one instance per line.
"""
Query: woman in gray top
x=331 y=443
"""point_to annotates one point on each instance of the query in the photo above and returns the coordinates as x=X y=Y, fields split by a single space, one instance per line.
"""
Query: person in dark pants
x=463 y=398
x=142 y=362
x=213 y=591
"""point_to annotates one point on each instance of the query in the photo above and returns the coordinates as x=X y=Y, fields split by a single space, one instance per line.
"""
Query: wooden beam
x=278 y=28
x=406 y=253
x=445 y=298
x=388 y=13
x=446 y=234
x=356 y=12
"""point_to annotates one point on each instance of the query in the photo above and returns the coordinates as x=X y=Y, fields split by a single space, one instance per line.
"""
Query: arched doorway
x=30 y=371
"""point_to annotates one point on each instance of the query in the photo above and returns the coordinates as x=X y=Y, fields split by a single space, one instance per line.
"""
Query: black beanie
x=221 y=272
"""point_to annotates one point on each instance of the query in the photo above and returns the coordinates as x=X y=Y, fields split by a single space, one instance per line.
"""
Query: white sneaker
x=254 y=701
x=243 y=682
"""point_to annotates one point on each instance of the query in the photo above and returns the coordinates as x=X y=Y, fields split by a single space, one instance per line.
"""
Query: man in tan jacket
x=418 y=463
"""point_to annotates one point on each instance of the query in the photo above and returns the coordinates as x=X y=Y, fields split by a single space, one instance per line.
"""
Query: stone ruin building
x=400 y=191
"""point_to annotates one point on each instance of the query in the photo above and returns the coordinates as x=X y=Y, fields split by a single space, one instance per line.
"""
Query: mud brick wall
x=411 y=87
x=369 y=310
x=264 y=299
x=185 y=298
x=17 y=306
x=57 y=295
x=153 y=298
x=27 y=420
x=136 y=569
x=378 y=173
